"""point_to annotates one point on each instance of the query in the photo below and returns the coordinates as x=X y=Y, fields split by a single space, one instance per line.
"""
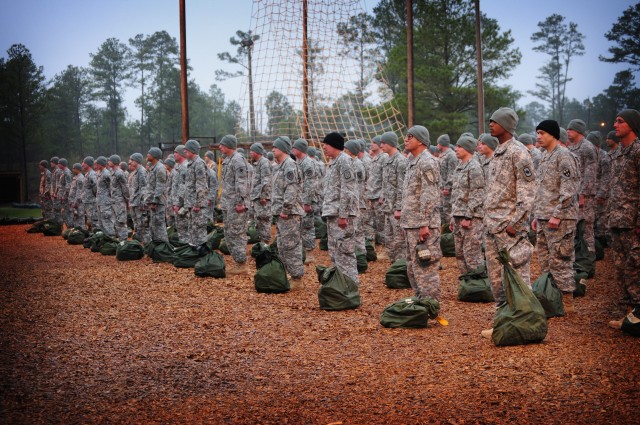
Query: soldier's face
x=330 y=151
x=574 y=136
x=132 y=165
x=546 y=140
x=621 y=127
x=386 y=148
x=496 y=129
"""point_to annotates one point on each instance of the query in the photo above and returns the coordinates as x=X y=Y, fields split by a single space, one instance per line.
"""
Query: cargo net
x=345 y=94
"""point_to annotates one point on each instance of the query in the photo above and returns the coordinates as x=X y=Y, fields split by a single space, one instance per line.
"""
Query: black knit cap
x=550 y=126
x=334 y=140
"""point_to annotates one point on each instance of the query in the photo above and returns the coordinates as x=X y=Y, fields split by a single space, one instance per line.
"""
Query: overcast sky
x=64 y=32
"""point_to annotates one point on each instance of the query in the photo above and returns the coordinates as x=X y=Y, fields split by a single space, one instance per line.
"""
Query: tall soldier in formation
x=233 y=202
x=178 y=183
x=170 y=164
x=90 y=191
x=467 y=198
x=374 y=189
x=352 y=148
x=214 y=187
x=261 y=192
x=586 y=154
x=154 y=198
x=55 y=177
x=45 y=189
x=64 y=185
x=391 y=200
x=103 y=198
x=286 y=206
x=340 y=206
x=448 y=164
x=556 y=210
x=508 y=204
x=624 y=209
x=76 y=193
x=604 y=185
x=137 y=189
x=487 y=144
x=319 y=187
x=527 y=140
x=420 y=217
x=196 y=197
x=119 y=198
x=309 y=187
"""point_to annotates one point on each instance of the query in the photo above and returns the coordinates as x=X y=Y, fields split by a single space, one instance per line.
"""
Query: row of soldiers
x=489 y=190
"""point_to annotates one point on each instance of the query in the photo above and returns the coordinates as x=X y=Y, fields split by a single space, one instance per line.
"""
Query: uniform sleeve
x=348 y=190
x=590 y=177
x=525 y=190
x=401 y=170
x=241 y=182
x=308 y=180
x=569 y=182
x=430 y=194
x=476 y=192
x=202 y=188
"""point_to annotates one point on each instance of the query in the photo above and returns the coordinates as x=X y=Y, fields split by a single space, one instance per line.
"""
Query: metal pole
x=305 y=74
x=410 y=102
x=479 y=61
x=183 y=73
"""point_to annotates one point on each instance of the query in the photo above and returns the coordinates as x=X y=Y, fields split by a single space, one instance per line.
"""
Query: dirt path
x=87 y=339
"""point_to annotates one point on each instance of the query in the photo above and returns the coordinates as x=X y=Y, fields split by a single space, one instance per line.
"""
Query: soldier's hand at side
x=465 y=223
x=196 y=209
x=284 y=216
x=152 y=206
x=553 y=223
x=342 y=223
x=380 y=201
x=581 y=201
x=534 y=225
x=175 y=208
x=452 y=223
x=240 y=208
x=600 y=201
x=307 y=208
x=510 y=231
x=397 y=215
x=424 y=233
x=263 y=202
x=445 y=192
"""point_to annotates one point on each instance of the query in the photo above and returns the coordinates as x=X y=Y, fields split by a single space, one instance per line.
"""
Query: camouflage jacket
x=467 y=190
x=235 y=182
x=586 y=154
x=137 y=186
x=420 y=193
x=156 y=182
x=212 y=186
x=64 y=183
x=45 y=183
x=55 y=177
x=75 y=192
x=196 y=188
x=603 y=174
x=536 y=157
x=392 y=182
x=510 y=189
x=340 y=192
x=178 y=183
x=286 y=189
x=262 y=175
x=90 y=188
x=558 y=181
x=374 y=180
x=361 y=182
x=624 y=198
x=448 y=164
x=309 y=180
x=119 y=186
x=103 y=194
x=320 y=172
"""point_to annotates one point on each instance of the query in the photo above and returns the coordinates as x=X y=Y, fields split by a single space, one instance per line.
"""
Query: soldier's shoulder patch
x=289 y=175
x=430 y=175
x=566 y=172
x=359 y=174
x=526 y=169
x=347 y=174
x=308 y=172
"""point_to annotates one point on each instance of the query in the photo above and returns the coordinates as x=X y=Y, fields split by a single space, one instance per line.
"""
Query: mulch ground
x=87 y=339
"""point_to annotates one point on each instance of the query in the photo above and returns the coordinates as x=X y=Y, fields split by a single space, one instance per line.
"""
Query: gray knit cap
x=210 y=155
x=578 y=125
x=489 y=141
x=89 y=161
x=377 y=140
x=363 y=145
x=525 y=139
x=352 y=146
x=44 y=163
x=564 y=137
x=101 y=160
x=421 y=133
x=179 y=150
x=389 y=138
x=170 y=162
x=444 y=140
x=155 y=152
x=54 y=160
x=257 y=148
x=507 y=118
x=302 y=145
x=632 y=118
x=137 y=157
x=612 y=135
x=270 y=156
x=229 y=141
x=192 y=146
x=77 y=166
x=283 y=144
x=115 y=159
x=311 y=151
x=63 y=162
x=467 y=142
x=595 y=137
x=242 y=152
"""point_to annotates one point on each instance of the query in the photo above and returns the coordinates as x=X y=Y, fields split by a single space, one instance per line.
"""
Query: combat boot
x=310 y=258
x=238 y=268
x=382 y=255
x=487 y=333
x=295 y=283
x=568 y=302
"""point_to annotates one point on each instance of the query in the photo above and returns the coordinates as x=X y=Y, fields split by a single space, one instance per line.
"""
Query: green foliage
x=625 y=34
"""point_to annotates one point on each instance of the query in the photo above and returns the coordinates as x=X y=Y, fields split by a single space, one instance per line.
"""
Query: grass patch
x=10 y=212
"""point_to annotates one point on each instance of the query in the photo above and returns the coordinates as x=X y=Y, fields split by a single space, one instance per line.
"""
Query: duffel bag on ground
x=129 y=251
x=475 y=287
x=550 y=297
x=211 y=265
x=412 y=312
x=337 y=291
x=397 y=276
x=160 y=251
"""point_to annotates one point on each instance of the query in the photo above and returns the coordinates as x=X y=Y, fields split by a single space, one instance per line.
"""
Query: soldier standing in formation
x=55 y=177
x=44 y=190
x=170 y=164
x=90 y=191
x=178 y=183
x=374 y=190
x=154 y=198
x=309 y=186
x=64 y=185
x=76 y=193
x=392 y=182
x=448 y=164
x=103 y=198
x=352 y=148
x=196 y=197
x=261 y=192
x=137 y=189
x=119 y=198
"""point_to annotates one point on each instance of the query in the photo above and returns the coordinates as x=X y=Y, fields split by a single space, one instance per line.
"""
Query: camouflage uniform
x=235 y=191
x=320 y=172
x=361 y=181
x=448 y=164
x=261 y=190
x=374 y=193
x=75 y=201
x=103 y=199
x=393 y=181
x=90 y=190
x=55 y=201
x=624 y=218
x=558 y=182
x=45 y=194
x=64 y=185
x=178 y=184
x=467 y=198
x=309 y=185
x=509 y=201
x=340 y=201
x=139 y=215
x=600 y=230
x=585 y=152
x=170 y=214
x=421 y=208
x=286 y=198
x=119 y=201
x=368 y=213
x=212 y=191
x=196 y=194
x=154 y=195
x=536 y=157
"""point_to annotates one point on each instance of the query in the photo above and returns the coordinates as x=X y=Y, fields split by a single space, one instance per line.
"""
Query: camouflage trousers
x=445 y=211
x=468 y=243
x=378 y=221
x=235 y=234
x=120 y=219
x=588 y=214
x=182 y=225
x=79 y=217
x=157 y=223
x=67 y=213
x=290 y=244
x=360 y=230
x=369 y=222
x=556 y=253
x=106 y=220
x=424 y=280
x=602 y=218
x=198 y=226
x=91 y=214
x=308 y=231
x=394 y=239
x=625 y=244
x=170 y=217
x=47 y=207
x=520 y=250
x=141 y=224
x=56 y=214
x=262 y=214
x=341 y=244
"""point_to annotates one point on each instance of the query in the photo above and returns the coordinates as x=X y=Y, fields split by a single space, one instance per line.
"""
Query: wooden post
x=305 y=74
x=410 y=102
x=479 y=62
x=183 y=73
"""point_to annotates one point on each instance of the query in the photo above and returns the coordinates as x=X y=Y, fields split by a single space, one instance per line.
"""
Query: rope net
x=339 y=95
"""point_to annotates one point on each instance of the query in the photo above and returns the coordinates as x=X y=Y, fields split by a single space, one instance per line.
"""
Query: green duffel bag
x=214 y=238
x=631 y=323
x=129 y=251
x=337 y=291
x=361 y=262
x=475 y=287
x=261 y=253
x=372 y=255
x=550 y=297
x=37 y=227
x=323 y=244
x=109 y=247
x=397 y=276
x=447 y=245
x=581 y=284
x=185 y=257
x=521 y=320
x=51 y=228
x=412 y=312
x=65 y=234
x=76 y=237
x=97 y=240
x=223 y=247
x=320 y=228
x=444 y=229
x=160 y=251
x=599 y=250
x=585 y=261
x=271 y=278
x=252 y=233
x=211 y=265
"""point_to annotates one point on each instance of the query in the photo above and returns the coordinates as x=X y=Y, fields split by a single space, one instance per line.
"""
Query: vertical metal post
x=305 y=74
x=183 y=73
x=410 y=101
x=479 y=62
